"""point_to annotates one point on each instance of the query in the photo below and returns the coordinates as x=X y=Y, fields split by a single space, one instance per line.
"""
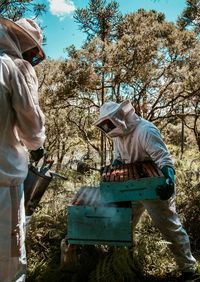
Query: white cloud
x=61 y=8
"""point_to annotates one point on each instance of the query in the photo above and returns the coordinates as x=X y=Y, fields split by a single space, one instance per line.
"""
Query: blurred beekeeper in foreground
x=21 y=124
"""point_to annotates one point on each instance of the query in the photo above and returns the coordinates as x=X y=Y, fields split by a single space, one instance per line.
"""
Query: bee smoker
x=35 y=184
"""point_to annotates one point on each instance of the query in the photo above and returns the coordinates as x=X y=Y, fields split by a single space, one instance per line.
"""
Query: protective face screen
x=106 y=125
x=36 y=60
x=34 y=56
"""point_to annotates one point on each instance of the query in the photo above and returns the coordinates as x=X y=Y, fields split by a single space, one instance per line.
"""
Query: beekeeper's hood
x=22 y=39
x=117 y=119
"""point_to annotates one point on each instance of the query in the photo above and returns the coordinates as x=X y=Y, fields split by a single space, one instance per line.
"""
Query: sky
x=62 y=31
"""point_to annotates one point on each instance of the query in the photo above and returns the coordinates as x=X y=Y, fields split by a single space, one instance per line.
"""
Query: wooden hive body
x=92 y=222
x=131 y=182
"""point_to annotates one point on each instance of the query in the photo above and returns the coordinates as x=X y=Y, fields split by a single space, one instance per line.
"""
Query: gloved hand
x=166 y=191
x=116 y=162
x=36 y=155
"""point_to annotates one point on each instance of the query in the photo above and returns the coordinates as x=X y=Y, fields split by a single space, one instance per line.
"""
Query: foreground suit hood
x=19 y=37
x=122 y=116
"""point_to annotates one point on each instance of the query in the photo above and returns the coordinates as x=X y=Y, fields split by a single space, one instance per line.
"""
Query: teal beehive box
x=131 y=182
x=90 y=221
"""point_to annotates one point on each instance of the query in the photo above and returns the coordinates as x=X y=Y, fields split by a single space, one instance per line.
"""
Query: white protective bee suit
x=136 y=139
x=21 y=124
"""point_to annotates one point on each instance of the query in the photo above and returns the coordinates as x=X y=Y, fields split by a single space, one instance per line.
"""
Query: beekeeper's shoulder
x=147 y=128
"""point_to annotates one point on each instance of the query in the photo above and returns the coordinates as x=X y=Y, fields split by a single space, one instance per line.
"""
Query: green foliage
x=118 y=265
x=99 y=19
x=190 y=16
x=188 y=191
x=173 y=135
x=151 y=62
x=16 y=9
x=151 y=250
x=45 y=232
x=65 y=123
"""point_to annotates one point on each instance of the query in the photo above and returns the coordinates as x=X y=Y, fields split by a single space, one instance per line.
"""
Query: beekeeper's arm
x=159 y=153
x=29 y=117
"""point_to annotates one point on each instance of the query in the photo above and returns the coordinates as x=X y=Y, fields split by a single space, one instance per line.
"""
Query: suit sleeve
x=156 y=148
x=29 y=119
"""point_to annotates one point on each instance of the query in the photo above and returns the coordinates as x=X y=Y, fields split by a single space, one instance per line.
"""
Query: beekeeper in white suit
x=21 y=124
x=136 y=139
